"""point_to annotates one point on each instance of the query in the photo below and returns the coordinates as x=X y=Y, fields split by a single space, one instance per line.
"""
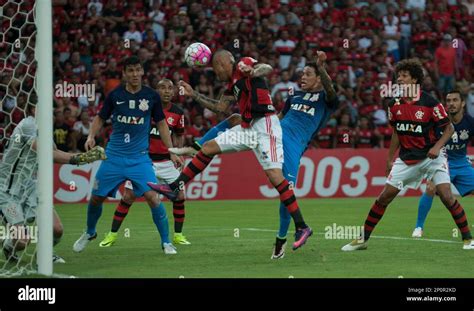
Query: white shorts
x=264 y=137
x=165 y=172
x=19 y=209
x=411 y=176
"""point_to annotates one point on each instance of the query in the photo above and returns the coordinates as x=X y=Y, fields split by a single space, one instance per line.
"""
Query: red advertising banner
x=323 y=173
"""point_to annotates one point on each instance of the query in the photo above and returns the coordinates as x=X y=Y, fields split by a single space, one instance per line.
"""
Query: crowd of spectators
x=363 y=40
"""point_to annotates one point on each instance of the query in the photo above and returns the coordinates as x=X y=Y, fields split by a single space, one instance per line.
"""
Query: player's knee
x=446 y=197
x=210 y=148
x=152 y=198
x=181 y=196
x=96 y=200
x=386 y=197
x=128 y=197
x=58 y=231
x=20 y=244
x=275 y=176
x=234 y=119
x=430 y=189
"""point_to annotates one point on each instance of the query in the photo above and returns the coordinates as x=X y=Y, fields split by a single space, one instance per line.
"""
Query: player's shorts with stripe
x=116 y=170
x=19 y=209
x=264 y=137
x=403 y=175
x=165 y=172
x=462 y=176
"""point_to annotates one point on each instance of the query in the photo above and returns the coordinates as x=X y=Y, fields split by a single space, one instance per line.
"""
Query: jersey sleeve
x=287 y=106
x=157 y=112
x=391 y=115
x=179 y=130
x=246 y=61
x=107 y=108
x=440 y=117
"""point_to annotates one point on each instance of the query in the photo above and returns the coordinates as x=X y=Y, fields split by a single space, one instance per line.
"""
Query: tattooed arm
x=214 y=105
x=325 y=79
x=261 y=70
x=206 y=102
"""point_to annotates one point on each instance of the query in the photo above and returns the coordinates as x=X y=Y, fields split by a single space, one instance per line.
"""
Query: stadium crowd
x=363 y=41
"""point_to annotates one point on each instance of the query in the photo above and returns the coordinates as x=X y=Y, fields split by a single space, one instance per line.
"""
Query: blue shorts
x=116 y=170
x=462 y=177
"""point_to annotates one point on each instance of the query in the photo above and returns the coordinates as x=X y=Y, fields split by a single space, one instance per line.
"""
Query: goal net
x=18 y=130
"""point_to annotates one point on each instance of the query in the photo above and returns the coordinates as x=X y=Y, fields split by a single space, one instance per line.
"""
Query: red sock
x=457 y=211
x=121 y=212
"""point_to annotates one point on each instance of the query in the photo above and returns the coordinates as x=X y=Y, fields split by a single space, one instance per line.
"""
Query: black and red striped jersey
x=175 y=118
x=365 y=138
x=415 y=123
x=252 y=94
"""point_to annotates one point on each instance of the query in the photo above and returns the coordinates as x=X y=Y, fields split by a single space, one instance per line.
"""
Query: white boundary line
x=275 y=231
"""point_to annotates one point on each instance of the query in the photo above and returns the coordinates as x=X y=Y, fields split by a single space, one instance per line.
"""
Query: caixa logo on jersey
x=303 y=108
x=130 y=120
x=415 y=128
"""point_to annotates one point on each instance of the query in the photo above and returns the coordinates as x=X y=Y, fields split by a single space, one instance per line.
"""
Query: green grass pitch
x=234 y=239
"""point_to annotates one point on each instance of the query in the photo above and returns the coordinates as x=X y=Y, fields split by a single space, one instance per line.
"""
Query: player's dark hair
x=413 y=66
x=314 y=66
x=456 y=91
x=131 y=61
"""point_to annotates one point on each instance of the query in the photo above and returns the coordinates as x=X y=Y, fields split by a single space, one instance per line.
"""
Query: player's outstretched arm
x=96 y=126
x=61 y=157
x=448 y=131
x=212 y=104
x=261 y=70
x=325 y=78
x=164 y=131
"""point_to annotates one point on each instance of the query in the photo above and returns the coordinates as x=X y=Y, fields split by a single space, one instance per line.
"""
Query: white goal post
x=44 y=116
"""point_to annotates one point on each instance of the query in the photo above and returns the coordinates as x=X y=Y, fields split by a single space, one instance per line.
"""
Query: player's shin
x=424 y=207
x=94 y=211
x=161 y=221
x=179 y=215
x=460 y=219
x=196 y=166
x=376 y=212
x=287 y=197
x=285 y=219
x=121 y=212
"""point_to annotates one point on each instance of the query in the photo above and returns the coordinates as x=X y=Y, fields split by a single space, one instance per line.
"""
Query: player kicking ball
x=18 y=182
x=304 y=113
x=259 y=131
x=421 y=154
x=461 y=171
x=165 y=169
x=131 y=107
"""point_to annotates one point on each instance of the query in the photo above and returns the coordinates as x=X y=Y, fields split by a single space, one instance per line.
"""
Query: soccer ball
x=197 y=55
